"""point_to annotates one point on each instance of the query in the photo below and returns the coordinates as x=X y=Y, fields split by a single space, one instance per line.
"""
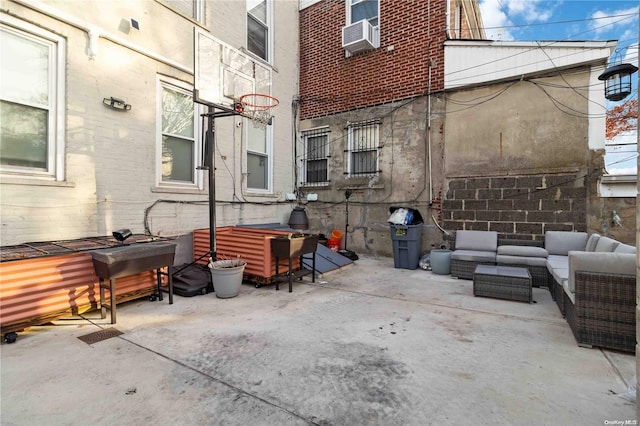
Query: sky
x=577 y=20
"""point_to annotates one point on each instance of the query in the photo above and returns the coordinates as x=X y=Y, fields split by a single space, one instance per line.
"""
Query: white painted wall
x=478 y=62
x=110 y=156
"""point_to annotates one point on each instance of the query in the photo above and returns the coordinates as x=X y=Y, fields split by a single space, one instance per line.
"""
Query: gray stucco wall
x=517 y=160
x=404 y=178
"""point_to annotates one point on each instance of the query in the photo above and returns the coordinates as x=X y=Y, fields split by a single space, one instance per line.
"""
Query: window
x=315 y=157
x=193 y=9
x=31 y=101
x=258 y=18
x=363 y=9
x=258 y=148
x=178 y=143
x=362 y=154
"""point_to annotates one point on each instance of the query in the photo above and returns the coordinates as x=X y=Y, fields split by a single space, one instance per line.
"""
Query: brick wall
x=411 y=32
x=517 y=207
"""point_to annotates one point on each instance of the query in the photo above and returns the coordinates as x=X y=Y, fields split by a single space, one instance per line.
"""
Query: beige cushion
x=561 y=242
x=503 y=259
x=598 y=262
x=477 y=240
x=525 y=251
x=625 y=248
x=591 y=242
x=606 y=244
x=474 y=256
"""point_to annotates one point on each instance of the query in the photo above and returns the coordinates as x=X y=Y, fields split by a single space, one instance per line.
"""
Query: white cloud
x=608 y=20
x=494 y=19
x=530 y=10
x=498 y=15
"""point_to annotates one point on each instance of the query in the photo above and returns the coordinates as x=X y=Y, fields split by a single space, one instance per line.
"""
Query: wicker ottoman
x=502 y=282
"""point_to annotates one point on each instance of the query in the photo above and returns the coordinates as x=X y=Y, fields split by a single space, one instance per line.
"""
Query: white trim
x=307 y=3
x=618 y=186
x=198 y=178
x=57 y=102
x=269 y=4
x=302 y=167
x=268 y=152
x=93 y=33
x=349 y=4
x=596 y=109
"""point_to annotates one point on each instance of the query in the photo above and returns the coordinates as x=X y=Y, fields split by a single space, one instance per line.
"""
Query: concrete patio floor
x=364 y=345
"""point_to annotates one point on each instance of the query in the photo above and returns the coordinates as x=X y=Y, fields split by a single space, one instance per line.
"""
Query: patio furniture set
x=592 y=278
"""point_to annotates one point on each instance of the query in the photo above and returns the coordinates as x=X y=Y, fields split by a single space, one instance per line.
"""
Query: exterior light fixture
x=617 y=81
x=117 y=104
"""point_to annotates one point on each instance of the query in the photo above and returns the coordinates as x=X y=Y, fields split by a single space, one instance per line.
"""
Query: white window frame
x=57 y=113
x=198 y=9
x=269 y=25
x=373 y=146
x=198 y=178
x=269 y=154
x=306 y=134
x=350 y=3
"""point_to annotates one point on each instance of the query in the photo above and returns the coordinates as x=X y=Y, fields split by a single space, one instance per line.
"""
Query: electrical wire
x=571 y=21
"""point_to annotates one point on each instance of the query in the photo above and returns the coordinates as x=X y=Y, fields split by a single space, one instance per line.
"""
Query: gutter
x=94 y=33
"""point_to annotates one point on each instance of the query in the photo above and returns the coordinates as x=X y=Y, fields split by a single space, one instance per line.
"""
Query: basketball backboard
x=223 y=74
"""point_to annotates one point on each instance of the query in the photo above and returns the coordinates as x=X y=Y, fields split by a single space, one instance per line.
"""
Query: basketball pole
x=212 y=184
x=210 y=162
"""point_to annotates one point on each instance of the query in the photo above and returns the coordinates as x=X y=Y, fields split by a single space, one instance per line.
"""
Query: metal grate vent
x=100 y=335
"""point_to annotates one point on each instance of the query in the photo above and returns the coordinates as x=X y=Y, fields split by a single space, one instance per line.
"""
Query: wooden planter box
x=253 y=245
x=38 y=290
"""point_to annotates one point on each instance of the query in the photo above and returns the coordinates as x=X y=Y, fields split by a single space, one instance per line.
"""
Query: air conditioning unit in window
x=359 y=37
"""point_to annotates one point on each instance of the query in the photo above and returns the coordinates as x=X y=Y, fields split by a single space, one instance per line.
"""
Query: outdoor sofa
x=593 y=280
x=473 y=248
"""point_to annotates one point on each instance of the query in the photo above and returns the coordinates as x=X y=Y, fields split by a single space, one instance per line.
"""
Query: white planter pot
x=226 y=276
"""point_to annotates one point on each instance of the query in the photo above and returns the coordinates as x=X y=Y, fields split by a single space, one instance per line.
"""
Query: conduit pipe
x=93 y=33
x=447 y=26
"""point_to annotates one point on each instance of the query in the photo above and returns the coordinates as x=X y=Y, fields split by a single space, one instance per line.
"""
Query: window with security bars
x=315 y=159
x=362 y=152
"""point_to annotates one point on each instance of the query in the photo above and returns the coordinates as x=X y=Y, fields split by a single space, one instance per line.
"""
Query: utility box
x=407 y=245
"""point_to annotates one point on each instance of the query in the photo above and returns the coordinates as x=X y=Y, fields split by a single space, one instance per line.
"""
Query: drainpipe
x=429 y=133
x=447 y=15
x=94 y=33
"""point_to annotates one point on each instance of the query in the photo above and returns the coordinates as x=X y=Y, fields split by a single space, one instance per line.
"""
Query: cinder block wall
x=517 y=207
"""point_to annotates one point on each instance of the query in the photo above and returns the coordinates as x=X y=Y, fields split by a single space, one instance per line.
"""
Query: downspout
x=94 y=33
x=429 y=133
x=448 y=18
x=429 y=64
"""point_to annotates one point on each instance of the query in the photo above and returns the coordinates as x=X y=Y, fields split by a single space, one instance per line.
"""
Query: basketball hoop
x=258 y=108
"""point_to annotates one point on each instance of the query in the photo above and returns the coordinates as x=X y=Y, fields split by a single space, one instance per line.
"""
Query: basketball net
x=258 y=108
